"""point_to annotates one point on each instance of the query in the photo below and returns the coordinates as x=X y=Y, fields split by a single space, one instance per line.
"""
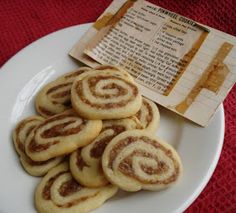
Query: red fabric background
x=22 y=22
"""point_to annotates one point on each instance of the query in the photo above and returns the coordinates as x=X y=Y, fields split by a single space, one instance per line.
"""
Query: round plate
x=30 y=69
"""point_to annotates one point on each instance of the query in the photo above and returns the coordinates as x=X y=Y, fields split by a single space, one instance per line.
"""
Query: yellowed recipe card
x=178 y=63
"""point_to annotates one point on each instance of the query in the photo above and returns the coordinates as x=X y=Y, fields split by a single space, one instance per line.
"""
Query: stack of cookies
x=94 y=134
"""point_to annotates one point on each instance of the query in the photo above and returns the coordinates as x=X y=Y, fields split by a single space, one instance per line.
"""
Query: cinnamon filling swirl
x=100 y=145
x=104 y=67
x=77 y=201
x=35 y=147
x=38 y=163
x=126 y=165
x=79 y=160
x=149 y=115
x=20 y=145
x=60 y=130
x=119 y=91
x=46 y=111
x=55 y=89
x=46 y=190
x=66 y=189
x=69 y=188
x=75 y=74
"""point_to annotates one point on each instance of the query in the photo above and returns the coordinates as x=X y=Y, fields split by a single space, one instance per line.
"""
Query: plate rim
x=212 y=168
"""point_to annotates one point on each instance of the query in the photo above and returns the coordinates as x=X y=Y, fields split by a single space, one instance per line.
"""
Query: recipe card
x=182 y=65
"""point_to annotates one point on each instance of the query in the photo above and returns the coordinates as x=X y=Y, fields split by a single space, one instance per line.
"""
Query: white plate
x=23 y=76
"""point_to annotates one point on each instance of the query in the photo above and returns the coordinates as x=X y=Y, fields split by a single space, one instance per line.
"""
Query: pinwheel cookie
x=85 y=163
x=136 y=160
x=106 y=94
x=60 y=135
x=55 y=98
x=24 y=130
x=59 y=192
x=149 y=116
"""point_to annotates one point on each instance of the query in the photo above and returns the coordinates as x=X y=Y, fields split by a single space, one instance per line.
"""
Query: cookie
x=149 y=116
x=85 y=163
x=136 y=160
x=22 y=131
x=55 y=98
x=61 y=134
x=58 y=192
x=104 y=95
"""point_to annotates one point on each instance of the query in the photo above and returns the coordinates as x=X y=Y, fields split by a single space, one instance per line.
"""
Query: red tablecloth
x=22 y=22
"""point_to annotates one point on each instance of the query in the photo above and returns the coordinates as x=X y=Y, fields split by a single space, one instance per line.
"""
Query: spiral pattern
x=24 y=130
x=55 y=97
x=135 y=160
x=59 y=192
x=105 y=95
x=149 y=116
x=61 y=134
x=85 y=163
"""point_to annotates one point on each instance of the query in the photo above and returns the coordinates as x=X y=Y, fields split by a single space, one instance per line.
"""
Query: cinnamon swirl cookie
x=58 y=192
x=85 y=163
x=22 y=131
x=105 y=95
x=55 y=98
x=60 y=135
x=136 y=160
x=149 y=116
